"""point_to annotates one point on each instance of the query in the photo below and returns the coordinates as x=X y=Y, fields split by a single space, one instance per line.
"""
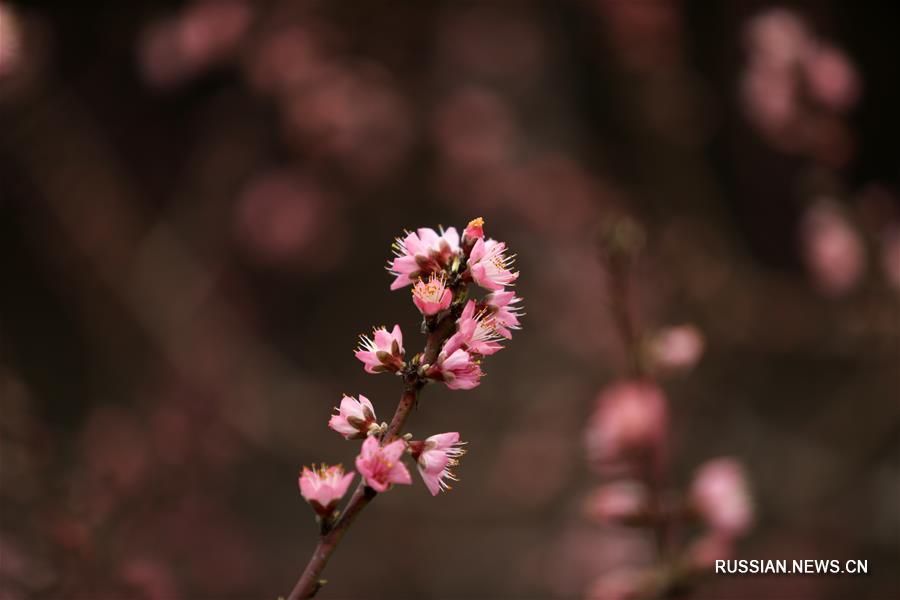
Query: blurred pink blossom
x=631 y=418
x=204 y=34
x=149 y=579
x=283 y=218
x=832 y=248
x=831 y=77
x=474 y=129
x=677 y=348
x=368 y=139
x=11 y=40
x=617 y=502
x=618 y=584
x=721 y=496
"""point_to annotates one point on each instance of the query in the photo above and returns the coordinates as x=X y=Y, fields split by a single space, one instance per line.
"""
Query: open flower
x=435 y=459
x=323 y=487
x=489 y=265
x=503 y=310
x=457 y=369
x=433 y=296
x=476 y=333
x=420 y=253
x=381 y=465
x=721 y=496
x=383 y=352
x=355 y=418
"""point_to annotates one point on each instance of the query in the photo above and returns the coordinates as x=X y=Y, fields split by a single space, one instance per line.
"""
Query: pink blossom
x=474 y=230
x=489 y=265
x=420 y=253
x=355 y=418
x=381 y=465
x=435 y=458
x=384 y=352
x=501 y=306
x=618 y=502
x=476 y=333
x=631 y=417
x=432 y=297
x=323 y=487
x=457 y=369
x=720 y=495
x=677 y=348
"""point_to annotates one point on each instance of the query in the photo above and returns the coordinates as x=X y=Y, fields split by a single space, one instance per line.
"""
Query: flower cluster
x=440 y=266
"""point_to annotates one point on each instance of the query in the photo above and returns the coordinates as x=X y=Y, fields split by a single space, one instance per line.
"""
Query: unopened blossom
x=457 y=369
x=677 y=348
x=490 y=266
x=324 y=486
x=381 y=466
x=383 y=351
x=503 y=309
x=355 y=418
x=476 y=333
x=422 y=252
x=620 y=501
x=433 y=296
x=473 y=231
x=435 y=458
x=631 y=418
x=720 y=495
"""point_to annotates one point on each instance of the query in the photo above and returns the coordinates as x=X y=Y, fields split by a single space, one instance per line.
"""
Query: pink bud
x=474 y=230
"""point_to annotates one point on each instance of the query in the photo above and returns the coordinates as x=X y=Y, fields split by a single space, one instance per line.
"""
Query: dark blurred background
x=196 y=204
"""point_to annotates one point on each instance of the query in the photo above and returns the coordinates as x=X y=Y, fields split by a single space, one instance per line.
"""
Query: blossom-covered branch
x=628 y=444
x=460 y=331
